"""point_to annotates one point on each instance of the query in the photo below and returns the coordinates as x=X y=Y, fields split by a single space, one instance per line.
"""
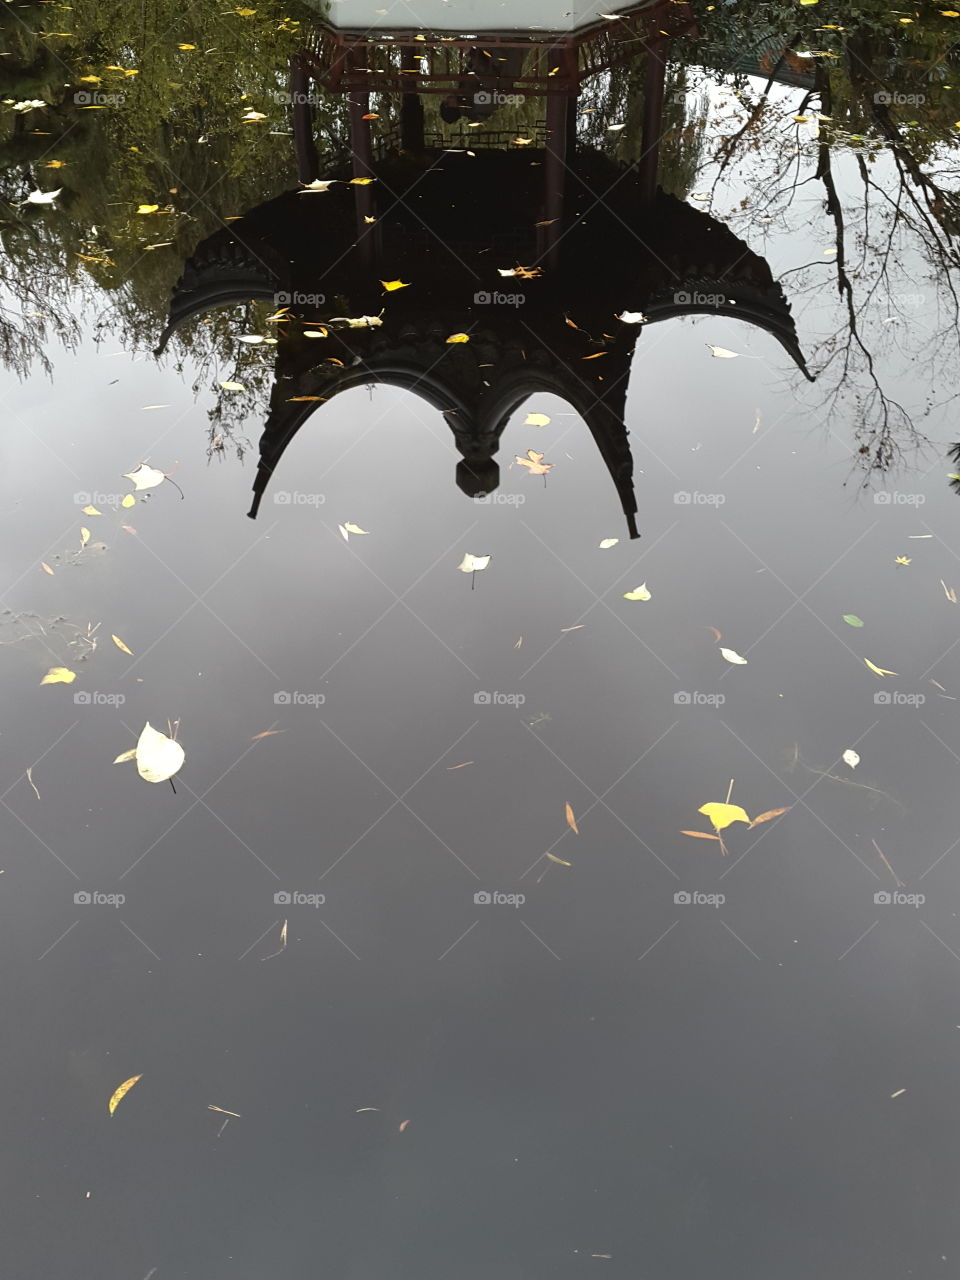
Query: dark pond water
x=430 y=981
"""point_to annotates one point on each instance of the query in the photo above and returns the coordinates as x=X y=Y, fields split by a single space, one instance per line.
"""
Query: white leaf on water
x=158 y=757
x=731 y=655
x=851 y=758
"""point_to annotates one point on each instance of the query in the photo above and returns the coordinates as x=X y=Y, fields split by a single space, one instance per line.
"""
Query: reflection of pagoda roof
x=442 y=235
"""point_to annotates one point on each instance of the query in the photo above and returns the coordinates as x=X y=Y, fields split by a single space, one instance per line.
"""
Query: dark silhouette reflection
x=455 y=226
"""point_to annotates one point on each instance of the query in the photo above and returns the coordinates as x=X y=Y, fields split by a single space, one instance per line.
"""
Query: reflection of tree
x=885 y=162
x=171 y=133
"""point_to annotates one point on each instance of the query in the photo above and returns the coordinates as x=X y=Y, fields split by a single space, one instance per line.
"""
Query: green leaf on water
x=852 y=620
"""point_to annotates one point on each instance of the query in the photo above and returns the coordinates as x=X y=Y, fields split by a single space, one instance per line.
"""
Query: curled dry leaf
x=571 y=819
x=769 y=815
x=700 y=835
x=120 y=1093
x=120 y=645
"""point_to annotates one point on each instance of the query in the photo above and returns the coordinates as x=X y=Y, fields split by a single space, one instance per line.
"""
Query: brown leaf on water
x=571 y=819
x=766 y=817
x=120 y=1093
x=700 y=835
x=266 y=734
x=451 y=767
x=560 y=861
x=224 y=1112
x=403 y=1125
x=45 y=567
x=716 y=634
x=120 y=645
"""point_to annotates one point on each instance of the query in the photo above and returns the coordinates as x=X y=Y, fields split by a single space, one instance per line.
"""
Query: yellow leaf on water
x=45 y=567
x=84 y=537
x=902 y=560
x=880 y=671
x=148 y=208
x=120 y=645
x=536 y=420
x=571 y=819
x=361 y=182
x=553 y=858
x=92 y=511
x=59 y=675
x=731 y=655
x=638 y=593
x=391 y=286
x=353 y=528
x=721 y=815
x=458 y=337
x=120 y=1093
x=128 y=501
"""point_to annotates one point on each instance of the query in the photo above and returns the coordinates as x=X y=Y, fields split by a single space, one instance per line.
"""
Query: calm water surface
x=642 y=1055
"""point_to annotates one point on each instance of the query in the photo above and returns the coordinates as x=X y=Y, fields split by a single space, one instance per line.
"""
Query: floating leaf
x=880 y=671
x=721 y=353
x=120 y=1093
x=84 y=537
x=902 y=560
x=59 y=675
x=571 y=819
x=353 y=528
x=560 y=861
x=721 y=815
x=607 y=543
x=233 y=386
x=771 y=813
x=129 y=501
x=143 y=477
x=850 y=757
x=852 y=620
x=316 y=186
x=148 y=208
x=391 y=286
x=632 y=317
x=638 y=593
x=158 y=757
x=43 y=197
x=534 y=463
x=92 y=511
x=458 y=337
x=700 y=835
x=120 y=645
x=361 y=182
x=473 y=564
x=45 y=567
x=536 y=420
x=731 y=655
x=126 y=755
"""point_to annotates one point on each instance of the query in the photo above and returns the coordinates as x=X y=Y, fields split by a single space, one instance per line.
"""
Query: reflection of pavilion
x=455 y=227
x=555 y=64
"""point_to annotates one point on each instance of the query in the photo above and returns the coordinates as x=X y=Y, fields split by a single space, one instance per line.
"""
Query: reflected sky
x=465 y=16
